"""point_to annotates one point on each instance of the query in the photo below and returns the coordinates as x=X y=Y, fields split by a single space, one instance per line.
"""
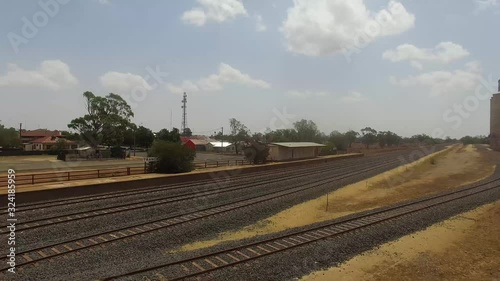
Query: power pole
x=184 y=114
x=222 y=141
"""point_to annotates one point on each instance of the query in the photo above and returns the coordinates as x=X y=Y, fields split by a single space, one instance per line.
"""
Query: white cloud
x=306 y=94
x=443 y=53
x=327 y=27
x=216 y=82
x=443 y=83
x=482 y=5
x=260 y=26
x=124 y=83
x=51 y=74
x=214 y=11
x=353 y=97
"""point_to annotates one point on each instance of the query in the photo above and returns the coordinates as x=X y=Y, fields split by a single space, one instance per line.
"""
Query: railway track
x=204 y=264
x=75 y=216
x=46 y=252
x=234 y=179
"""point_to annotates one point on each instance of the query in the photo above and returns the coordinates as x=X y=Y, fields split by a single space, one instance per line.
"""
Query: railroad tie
x=284 y=246
x=161 y=277
x=288 y=242
x=221 y=260
x=257 y=253
x=103 y=239
x=211 y=263
x=233 y=257
x=41 y=253
x=55 y=250
x=27 y=257
x=242 y=254
x=271 y=246
x=295 y=240
x=264 y=249
x=303 y=238
x=198 y=266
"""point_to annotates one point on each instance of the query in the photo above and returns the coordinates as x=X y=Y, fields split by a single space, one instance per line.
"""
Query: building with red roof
x=43 y=140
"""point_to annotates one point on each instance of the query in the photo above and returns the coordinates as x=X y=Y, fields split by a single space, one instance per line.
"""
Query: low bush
x=172 y=158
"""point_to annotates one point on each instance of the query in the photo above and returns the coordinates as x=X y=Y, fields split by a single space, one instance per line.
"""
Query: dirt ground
x=451 y=168
x=465 y=247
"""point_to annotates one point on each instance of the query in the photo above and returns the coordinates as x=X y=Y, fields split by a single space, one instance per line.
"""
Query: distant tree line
x=475 y=140
x=107 y=121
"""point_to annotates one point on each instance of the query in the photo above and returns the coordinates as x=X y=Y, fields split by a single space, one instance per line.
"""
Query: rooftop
x=40 y=133
x=220 y=144
x=298 y=144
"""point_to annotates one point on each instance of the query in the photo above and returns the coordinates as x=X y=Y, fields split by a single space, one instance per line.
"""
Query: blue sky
x=409 y=67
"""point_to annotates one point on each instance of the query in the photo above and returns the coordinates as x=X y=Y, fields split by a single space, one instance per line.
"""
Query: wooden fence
x=63 y=176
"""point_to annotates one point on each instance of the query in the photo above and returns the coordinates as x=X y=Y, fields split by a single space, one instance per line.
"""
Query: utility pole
x=222 y=140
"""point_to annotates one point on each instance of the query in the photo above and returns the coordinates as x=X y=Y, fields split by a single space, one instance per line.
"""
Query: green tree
x=351 y=137
x=337 y=140
x=187 y=133
x=169 y=136
x=106 y=120
x=172 y=157
x=256 y=152
x=239 y=133
x=307 y=130
x=282 y=135
x=71 y=136
x=369 y=136
x=329 y=149
x=144 y=137
x=9 y=137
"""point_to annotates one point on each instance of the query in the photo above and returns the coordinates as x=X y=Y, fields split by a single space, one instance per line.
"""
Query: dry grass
x=464 y=247
x=452 y=168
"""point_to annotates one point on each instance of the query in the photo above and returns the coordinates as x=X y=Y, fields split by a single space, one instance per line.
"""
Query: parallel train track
x=71 y=246
x=204 y=264
x=164 y=200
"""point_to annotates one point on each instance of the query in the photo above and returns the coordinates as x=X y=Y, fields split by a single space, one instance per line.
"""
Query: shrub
x=172 y=157
x=329 y=149
x=256 y=152
x=117 y=152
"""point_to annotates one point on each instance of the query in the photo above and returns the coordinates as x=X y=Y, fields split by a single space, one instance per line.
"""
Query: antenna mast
x=184 y=114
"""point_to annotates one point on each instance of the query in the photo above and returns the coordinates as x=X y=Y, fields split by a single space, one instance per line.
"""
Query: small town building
x=219 y=146
x=285 y=151
x=44 y=140
x=200 y=143
x=189 y=144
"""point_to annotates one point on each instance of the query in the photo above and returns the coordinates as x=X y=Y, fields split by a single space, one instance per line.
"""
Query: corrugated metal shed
x=298 y=144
